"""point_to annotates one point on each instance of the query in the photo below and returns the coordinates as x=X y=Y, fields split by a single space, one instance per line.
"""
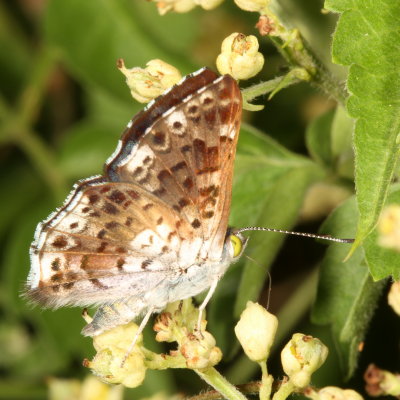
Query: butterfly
x=153 y=228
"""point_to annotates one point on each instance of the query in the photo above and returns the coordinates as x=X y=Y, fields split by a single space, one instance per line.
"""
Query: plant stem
x=266 y=382
x=300 y=55
x=297 y=52
x=43 y=160
x=284 y=391
x=250 y=388
x=16 y=125
x=263 y=88
x=219 y=383
x=31 y=98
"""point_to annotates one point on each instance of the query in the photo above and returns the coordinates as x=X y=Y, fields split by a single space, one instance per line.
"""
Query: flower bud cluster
x=178 y=323
x=113 y=363
x=381 y=383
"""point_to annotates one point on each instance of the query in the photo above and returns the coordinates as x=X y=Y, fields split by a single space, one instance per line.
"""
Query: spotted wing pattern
x=161 y=206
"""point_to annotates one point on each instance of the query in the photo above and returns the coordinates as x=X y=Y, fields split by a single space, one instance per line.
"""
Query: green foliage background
x=63 y=105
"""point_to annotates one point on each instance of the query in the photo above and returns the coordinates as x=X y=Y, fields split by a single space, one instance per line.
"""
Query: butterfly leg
x=205 y=302
x=142 y=325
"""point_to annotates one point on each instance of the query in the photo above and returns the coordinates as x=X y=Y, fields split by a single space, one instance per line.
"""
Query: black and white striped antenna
x=310 y=235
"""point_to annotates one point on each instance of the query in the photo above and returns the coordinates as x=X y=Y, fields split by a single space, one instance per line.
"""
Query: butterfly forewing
x=161 y=206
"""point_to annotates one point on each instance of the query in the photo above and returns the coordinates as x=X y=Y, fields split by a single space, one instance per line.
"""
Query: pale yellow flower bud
x=256 y=331
x=92 y=388
x=164 y=327
x=389 y=227
x=150 y=82
x=332 y=393
x=380 y=382
x=208 y=4
x=252 y=5
x=107 y=365
x=301 y=357
x=200 y=352
x=336 y=393
x=240 y=57
x=394 y=297
x=179 y=6
x=120 y=336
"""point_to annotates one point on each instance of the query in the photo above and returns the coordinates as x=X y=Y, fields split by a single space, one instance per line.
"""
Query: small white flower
x=240 y=57
x=256 y=331
x=148 y=83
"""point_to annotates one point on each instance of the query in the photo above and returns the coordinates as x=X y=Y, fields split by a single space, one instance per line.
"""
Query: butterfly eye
x=237 y=245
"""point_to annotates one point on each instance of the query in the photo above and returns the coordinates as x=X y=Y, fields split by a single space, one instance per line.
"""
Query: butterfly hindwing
x=162 y=205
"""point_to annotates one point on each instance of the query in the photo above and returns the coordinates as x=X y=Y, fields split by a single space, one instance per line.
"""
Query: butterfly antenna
x=310 y=235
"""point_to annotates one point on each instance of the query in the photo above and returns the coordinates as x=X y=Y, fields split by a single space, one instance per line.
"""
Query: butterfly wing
x=185 y=155
x=162 y=204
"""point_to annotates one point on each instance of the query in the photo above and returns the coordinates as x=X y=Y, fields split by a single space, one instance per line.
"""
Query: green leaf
x=85 y=149
x=347 y=295
x=382 y=261
x=341 y=143
x=342 y=133
x=17 y=196
x=366 y=39
x=318 y=139
x=269 y=187
x=156 y=25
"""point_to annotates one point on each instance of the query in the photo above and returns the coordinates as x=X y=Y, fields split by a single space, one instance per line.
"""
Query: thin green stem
x=301 y=55
x=219 y=383
x=263 y=88
x=31 y=98
x=298 y=53
x=266 y=382
x=250 y=388
x=284 y=391
x=16 y=125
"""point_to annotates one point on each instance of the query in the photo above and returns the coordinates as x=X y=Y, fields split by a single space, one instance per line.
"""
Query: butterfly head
x=235 y=243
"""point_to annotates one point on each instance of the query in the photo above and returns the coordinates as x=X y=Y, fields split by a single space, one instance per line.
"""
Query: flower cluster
x=116 y=362
x=113 y=363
